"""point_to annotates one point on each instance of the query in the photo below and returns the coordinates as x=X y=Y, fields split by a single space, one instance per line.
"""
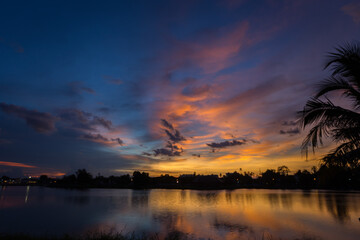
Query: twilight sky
x=161 y=86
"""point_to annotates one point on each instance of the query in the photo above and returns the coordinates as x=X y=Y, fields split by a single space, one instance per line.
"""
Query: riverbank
x=84 y=187
x=332 y=178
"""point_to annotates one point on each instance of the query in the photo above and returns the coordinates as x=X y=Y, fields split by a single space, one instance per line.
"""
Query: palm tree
x=340 y=124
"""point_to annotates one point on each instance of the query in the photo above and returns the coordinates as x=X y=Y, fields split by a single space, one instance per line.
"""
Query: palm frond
x=314 y=138
x=335 y=83
x=346 y=134
x=331 y=116
x=345 y=155
x=329 y=120
x=345 y=61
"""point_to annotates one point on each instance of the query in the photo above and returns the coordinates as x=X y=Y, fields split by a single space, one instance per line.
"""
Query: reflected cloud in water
x=235 y=214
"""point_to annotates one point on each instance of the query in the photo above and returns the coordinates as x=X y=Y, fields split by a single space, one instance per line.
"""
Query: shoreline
x=183 y=188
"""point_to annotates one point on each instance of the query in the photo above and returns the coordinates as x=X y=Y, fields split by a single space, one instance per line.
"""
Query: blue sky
x=87 y=84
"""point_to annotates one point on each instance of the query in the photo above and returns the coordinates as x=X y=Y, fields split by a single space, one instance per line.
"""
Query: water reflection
x=336 y=205
x=236 y=214
x=286 y=201
x=140 y=198
x=232 y=227
x=27 y=193
x=168 y=220
x=273 y=199
x=77 y=200
x=208 y=197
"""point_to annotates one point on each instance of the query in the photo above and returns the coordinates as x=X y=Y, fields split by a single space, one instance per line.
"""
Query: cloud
x=77 y=120
x=147 y=154
x=112 y=80
x=264 y=89
x=175 y=136
x=15 y=164
x=39 y=121
x=289 y=123
x=102 y=122
x=167 y=152
x=119 y=141
x=101 y=139
x=227 y=143
x=166 y=124
x=85 y=125
x=76 y=88
x=210 y=51
x=90 y=127
x=81 y=120
x=236 y=100
x=5 y=141
x=196 y=91
x=95 y=137
x=353 y=10
x=291 y=131
x=171 y=148
x=49 y=174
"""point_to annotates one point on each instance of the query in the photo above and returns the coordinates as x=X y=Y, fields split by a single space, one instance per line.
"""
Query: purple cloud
x=81 y=120
x=39 y=121
x=291 y=131
x=353 y=10
x=227 y=143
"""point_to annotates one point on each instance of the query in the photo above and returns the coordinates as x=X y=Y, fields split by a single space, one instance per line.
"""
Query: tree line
x=325 y=177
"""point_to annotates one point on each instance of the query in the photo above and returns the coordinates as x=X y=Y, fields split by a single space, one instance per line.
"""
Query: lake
x=222 y=214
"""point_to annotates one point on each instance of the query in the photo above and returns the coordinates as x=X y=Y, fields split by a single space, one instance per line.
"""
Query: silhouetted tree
x=334 y=177
x=305 y=179
x=69 y=179
x=83 y=177
x=269 y=178
x=340 y=124
x=44 y=179
x=232 y=178
x=283 y=170
x=141 y=179
x=246 y=179
x=121 y=181
x=164 y=180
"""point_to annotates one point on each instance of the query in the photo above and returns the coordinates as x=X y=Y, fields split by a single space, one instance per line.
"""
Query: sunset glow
x=163 y=86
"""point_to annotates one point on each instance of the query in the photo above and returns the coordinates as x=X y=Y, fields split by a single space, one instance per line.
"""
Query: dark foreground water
x=238 y=214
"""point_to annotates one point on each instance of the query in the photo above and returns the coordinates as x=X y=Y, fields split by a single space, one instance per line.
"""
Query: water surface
x=238 y=214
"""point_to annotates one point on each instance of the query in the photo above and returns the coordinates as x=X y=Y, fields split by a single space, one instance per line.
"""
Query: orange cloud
x=218 y=106
x=14 y=164
x=353 y=10
x=49 y=174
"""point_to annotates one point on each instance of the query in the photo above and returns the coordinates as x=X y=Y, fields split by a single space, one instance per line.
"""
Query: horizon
x=162 y=87
x=253 y=175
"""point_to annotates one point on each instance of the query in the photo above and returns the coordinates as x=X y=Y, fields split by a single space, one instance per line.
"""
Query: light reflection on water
x=238 y=214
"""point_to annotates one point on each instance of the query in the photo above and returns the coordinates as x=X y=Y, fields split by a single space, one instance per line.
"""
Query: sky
x=162 y=86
